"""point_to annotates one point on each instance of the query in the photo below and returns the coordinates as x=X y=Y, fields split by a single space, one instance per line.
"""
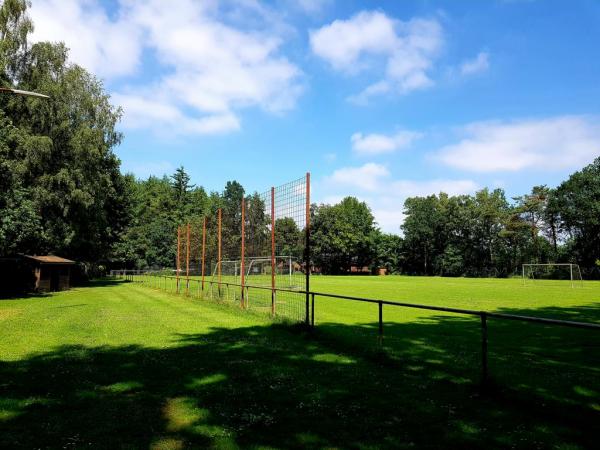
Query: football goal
x=257 y=272
x=553 y=271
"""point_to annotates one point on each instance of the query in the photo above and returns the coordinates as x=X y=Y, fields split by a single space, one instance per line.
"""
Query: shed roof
x=49 y=259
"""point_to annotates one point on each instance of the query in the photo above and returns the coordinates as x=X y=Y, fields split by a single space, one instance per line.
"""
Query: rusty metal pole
x=484 y=349
x=219 y=251
x=178 y=256
x=243 y=249
x=380 y=338
x=203 y=249
x=312 y=313
x=273 y=251
x=187 y=262
x=307 y=244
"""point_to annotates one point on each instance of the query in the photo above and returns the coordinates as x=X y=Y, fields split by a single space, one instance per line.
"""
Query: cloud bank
x=407 y=48
x=375 y=184
x=211 y=60
x=376 y=144
x=556 y=143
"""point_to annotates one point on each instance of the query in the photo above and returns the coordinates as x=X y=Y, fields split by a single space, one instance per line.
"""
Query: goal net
x=258 y=270
x=553 y=271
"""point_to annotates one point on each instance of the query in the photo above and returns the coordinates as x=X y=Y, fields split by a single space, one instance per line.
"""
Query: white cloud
x=407 y=48
x=385 y=195
x=107 y=47
x=163 y=117
x=343 y=42
x=389 y=220
x=367 y=177
x=556 y=143
x=206 y=69
x=375 y=144
x=479 y=64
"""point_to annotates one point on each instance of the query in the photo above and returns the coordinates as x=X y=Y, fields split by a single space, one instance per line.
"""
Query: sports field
x=121 y=365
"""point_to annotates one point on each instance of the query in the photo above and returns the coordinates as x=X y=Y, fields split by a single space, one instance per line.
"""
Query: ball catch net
x=252 y=249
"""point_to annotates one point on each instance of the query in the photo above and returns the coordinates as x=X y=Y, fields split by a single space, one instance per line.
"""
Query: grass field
x=120 y=365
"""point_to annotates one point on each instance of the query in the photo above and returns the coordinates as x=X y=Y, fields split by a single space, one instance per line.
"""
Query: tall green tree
x=258 y=240
x=15 y=26
x=387 y=252
x=289 y=239
x=232 y=219
x=533 y=208
x=62 y=165
x=422 y=227
x=578 y=202
x=343 y=235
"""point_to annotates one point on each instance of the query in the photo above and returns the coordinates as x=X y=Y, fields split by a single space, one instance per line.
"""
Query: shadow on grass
x=283 y=387
x=23 y=295
x=102 y=282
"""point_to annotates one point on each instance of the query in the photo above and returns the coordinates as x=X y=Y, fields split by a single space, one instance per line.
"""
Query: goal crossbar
x=574 y=270
x=550 y=264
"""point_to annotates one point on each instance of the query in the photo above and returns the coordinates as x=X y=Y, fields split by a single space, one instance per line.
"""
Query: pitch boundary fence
x=308 y=298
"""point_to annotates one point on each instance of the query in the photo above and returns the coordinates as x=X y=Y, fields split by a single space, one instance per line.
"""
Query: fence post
x=203 y=249
x=484 y=349
x=307 y=243
x=307 y=320
x=272 y=251
x=380 y=322
x=243 y=250
x=312 y=316
x=178 y=257
x=187 y=262
x=218 y=251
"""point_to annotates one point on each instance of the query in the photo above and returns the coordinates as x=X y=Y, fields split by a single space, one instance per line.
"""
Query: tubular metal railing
x=309 y=306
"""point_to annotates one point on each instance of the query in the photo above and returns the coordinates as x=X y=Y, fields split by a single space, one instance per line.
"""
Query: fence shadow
x=276 y=386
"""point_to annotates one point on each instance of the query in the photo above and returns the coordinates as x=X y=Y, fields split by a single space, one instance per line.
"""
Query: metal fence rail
x=304 y=310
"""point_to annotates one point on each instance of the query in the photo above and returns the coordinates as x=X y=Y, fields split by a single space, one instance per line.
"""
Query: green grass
x=120 y=365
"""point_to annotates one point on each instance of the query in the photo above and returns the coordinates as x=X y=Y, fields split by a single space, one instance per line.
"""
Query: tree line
x=484 y=234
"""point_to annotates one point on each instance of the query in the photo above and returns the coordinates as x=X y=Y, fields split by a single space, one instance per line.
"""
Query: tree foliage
x=577 y=201
x=62 y=188
x=483 y=234
x=342 y=235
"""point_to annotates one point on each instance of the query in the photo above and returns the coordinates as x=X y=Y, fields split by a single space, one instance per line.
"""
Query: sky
x=380 y=100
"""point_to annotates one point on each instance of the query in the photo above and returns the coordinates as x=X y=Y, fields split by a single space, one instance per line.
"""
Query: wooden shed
x=52 y=273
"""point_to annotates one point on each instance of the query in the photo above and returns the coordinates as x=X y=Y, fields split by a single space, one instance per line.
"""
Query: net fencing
x=252 y=250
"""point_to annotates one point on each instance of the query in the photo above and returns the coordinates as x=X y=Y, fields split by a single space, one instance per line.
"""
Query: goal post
x=258 y=271
x=552 y=271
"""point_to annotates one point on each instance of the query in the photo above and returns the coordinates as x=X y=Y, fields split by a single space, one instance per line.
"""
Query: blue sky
x=381 y=100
